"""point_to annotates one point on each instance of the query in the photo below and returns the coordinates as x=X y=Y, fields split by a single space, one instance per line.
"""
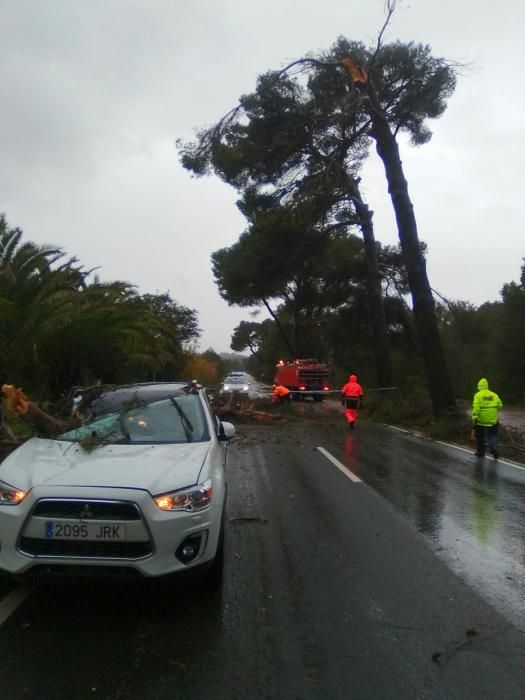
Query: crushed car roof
x=117 y=398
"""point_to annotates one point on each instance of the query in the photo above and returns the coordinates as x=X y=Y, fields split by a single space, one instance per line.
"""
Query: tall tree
x=389 y=89
x=397 y=88
x=296 y=140
x=176 y=327
x=180 y=321
x=309 y=272
x=425 y=96
x=263 y=342
x=248 y=335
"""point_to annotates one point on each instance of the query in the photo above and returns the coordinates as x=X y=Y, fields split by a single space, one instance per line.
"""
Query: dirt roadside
x=513 y=418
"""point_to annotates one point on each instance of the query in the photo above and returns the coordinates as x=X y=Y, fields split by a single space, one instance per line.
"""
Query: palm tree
x=106 y=339
x=57 y=330
x=34 y=295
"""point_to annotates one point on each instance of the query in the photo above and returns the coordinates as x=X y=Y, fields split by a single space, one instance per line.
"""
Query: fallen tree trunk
x=45 y=423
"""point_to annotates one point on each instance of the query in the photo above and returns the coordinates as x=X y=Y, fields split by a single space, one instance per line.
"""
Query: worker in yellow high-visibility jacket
x=485 y=407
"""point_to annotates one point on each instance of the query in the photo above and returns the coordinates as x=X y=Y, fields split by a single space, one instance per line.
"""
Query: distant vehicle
x=244 y=384
x=138 y=489
x=238 y=382
x=304 y=377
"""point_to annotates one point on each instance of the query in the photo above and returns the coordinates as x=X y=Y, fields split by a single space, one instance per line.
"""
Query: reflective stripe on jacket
x=485 y=405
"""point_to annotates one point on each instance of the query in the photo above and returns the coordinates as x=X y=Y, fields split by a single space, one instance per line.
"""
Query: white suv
x=138 y=488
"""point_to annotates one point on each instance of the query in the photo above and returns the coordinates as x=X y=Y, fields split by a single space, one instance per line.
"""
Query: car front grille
x=84 y=548
x=82 y=508
x=85 y=510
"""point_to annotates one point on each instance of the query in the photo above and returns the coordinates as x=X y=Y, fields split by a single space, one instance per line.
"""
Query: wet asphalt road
x=408 y=584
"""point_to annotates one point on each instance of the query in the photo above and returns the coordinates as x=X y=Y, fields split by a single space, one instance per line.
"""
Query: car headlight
x=226 y=387
x=245 y=387
x=192 y=499
x=10 y=495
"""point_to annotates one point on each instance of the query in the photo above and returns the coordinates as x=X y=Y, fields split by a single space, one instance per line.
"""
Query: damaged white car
x=138 y=489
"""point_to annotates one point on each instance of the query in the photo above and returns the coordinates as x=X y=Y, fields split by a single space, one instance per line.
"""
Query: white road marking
x=340 y=466
x=11 y=602
x=456 y=447
x=401 y=430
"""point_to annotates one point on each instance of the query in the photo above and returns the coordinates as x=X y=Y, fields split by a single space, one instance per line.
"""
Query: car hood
x=155 y=468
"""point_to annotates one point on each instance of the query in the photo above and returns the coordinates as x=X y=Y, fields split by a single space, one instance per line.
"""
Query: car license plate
x=84 y=531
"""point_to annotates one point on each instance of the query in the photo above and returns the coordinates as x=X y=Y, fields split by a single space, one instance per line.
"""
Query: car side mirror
x=226 y=430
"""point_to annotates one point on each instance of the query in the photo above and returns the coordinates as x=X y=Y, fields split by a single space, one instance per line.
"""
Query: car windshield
x=175 y=419
x=235 y=380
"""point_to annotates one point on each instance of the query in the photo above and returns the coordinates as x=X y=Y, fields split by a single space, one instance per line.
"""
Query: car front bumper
x=153 y=544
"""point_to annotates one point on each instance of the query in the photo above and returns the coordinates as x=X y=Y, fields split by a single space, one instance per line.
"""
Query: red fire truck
x=306 y=377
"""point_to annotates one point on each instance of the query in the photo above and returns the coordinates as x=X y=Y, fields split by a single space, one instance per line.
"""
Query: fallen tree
x=17 y=406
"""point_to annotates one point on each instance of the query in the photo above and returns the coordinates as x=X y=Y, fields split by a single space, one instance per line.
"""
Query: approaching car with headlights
x=241 y=383
x=139 y=488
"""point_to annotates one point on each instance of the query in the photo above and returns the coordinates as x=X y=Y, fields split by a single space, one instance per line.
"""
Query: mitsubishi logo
x=86 y=512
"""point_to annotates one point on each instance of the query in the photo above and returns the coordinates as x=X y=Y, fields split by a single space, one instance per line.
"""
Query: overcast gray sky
x=95 y=93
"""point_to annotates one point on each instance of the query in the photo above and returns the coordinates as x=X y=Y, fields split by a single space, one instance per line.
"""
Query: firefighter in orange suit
x=281 y=394
x=351 y=398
